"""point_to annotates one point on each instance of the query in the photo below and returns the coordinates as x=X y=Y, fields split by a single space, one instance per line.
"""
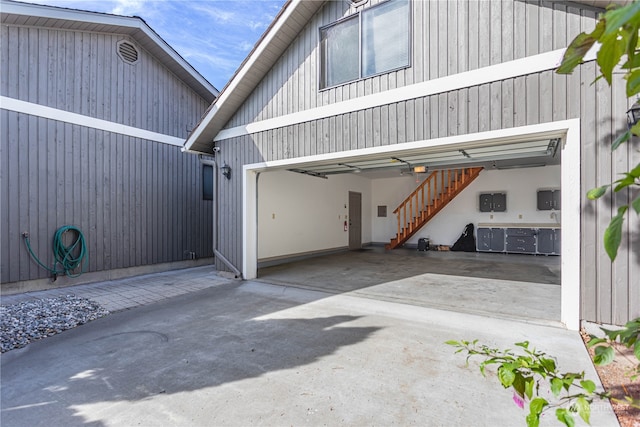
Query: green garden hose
x=70 y=257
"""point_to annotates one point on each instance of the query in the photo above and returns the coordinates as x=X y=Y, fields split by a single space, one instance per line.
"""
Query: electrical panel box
x=548 y=200
x=493 y=202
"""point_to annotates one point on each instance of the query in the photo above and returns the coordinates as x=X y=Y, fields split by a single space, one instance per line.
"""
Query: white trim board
x=506 y=70
x=12 y=104
x=570 y=220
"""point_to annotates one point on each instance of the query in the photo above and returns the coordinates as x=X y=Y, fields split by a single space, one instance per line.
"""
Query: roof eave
x=135 y=27
x=294 y=15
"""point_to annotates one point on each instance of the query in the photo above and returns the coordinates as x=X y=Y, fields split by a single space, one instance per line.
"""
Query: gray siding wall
x=138 y=202
x=448 y=38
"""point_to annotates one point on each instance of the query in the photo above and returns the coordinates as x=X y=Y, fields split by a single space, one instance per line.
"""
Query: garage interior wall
x=520 y=186
x=300 y=214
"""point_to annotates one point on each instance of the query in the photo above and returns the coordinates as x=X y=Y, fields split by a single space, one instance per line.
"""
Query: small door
x=355 y=220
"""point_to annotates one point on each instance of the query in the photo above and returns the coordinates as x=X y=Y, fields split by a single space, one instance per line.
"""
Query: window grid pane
x=340 y=53
x=385 y=34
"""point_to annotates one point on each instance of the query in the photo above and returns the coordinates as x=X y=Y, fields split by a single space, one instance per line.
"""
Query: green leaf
x=596 y=193
x=533 y=420
x=620 y=139
x=506 y=376
x=635 y=129
x=548 y=364
x=537 y=405
x=624 y=182
x=519 y=384
x=636 y=350
x=583 y=408
x=633 y=83
x=575 y=53
x=635 y=204
x=595 y=341
x=453 y=343
x=617 y=18
x=609 y=55
x=588 y=385
x=528 y=387
x=635 y=172
x=603 y=355
x=565 y=417
x=556 y=386
x=613 y=233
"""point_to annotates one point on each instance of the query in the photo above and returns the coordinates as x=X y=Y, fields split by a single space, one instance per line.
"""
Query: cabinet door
x=545 y=200
x=497 y=239
x=499 y=202
x=546 y=241
x=483 y=240
x=557 y=234
x=556 y=200
x=485 y=203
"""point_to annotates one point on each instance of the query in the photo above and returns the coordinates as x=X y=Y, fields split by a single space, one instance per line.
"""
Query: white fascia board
x=506 y=70
x=45 y=112
x=241 y=74
x=49 y=12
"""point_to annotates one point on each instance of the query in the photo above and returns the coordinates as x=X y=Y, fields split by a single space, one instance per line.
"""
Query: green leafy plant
x=532 y=374
x=605 y=350
x=617 y=34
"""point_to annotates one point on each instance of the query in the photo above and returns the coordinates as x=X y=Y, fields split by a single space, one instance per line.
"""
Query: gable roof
x=283 y=30
x=291 y=19
x=28 y=14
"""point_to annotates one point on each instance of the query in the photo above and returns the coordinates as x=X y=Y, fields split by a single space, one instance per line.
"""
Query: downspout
x=215 y=214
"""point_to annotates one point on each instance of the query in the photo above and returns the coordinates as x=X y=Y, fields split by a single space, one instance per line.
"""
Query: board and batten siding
x=138 y=202
x=445 y=41
x=610 y=292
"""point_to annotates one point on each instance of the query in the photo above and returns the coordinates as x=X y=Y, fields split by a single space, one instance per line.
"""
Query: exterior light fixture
x=226 y=170
x=633 y=114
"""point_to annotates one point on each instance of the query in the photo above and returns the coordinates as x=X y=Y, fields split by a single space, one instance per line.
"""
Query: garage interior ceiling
x=521 y=154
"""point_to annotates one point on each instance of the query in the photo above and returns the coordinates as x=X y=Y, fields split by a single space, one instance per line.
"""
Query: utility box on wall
x=493 y=202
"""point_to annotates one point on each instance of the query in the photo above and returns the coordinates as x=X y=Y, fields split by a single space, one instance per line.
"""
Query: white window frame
x=321 y=62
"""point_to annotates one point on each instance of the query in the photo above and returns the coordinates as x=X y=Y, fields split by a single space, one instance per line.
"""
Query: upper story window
x=371 y=42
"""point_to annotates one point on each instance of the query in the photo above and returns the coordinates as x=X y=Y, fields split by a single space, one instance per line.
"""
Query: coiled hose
x=69 y=257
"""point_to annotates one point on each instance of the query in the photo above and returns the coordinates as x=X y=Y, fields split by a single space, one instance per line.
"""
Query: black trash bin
x=423 y=244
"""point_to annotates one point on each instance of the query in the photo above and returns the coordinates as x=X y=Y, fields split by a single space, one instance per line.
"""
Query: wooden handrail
x=415 y=210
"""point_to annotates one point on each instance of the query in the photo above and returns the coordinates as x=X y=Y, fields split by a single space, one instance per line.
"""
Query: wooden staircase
x=429 y=198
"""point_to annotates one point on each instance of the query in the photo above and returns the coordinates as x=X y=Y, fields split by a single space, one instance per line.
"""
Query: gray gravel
x=28 y=321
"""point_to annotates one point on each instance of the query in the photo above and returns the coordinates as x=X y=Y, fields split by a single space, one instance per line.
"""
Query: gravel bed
x=32 y=320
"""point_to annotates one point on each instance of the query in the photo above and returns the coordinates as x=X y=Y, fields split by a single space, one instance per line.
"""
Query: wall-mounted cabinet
x=539 y=239
x=493 y=202
x=548 y=200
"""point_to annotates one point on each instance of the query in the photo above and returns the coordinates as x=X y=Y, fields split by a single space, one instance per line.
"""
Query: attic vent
x=128 y=52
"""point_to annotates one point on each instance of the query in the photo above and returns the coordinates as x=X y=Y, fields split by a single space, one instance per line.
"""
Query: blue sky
x=214 y=36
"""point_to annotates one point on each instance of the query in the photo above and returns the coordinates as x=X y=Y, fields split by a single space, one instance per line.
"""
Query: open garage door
x=302 y=206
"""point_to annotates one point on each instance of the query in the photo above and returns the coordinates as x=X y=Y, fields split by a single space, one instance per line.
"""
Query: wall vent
x=127 y=52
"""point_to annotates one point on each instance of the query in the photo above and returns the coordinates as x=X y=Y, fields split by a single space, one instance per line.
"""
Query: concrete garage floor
x=511 y=286
x=249 y=353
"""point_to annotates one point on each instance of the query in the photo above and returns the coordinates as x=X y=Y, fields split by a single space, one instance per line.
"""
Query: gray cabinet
x=490 y=239
x=549 y=241
x=521 y=240
x=493 y=202
x=535 y=239
x=548 y=200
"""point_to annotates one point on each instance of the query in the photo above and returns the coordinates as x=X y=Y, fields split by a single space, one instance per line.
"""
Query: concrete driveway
x=259 y=354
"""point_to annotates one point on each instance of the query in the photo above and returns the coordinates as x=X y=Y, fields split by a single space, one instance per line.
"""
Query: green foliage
x=530 y=371
x=617 y=34
x=629 y=337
